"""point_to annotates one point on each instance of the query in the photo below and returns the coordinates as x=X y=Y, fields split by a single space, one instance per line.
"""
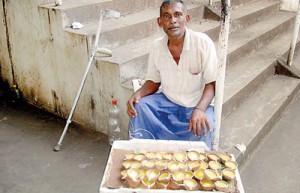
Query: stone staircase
x=255 y=97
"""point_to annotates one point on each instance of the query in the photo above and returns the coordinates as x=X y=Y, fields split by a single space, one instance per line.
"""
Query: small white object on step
x=241 y=147
x=76 y=25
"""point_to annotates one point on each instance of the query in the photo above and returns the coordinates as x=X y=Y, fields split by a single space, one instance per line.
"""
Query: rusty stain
x=55 y=102
x=92 y=103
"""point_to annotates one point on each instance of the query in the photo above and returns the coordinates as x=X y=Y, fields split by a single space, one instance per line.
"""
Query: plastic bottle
x=114 y=122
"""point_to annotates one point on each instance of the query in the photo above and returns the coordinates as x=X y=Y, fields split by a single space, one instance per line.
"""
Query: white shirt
x=184 y=83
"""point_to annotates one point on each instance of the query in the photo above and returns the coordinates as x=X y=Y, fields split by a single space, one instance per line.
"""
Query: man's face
x=173 y=20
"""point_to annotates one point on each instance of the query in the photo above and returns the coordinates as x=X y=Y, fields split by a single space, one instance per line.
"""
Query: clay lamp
x=133 y=177
x=221 y=185
x=152 y=174
x=148 y=184
x=199 y=174
x=189 y=175
x=213 y=175
x=183 y=166
x=193 y=155
x=213 y=157
x=228 y=174
x=168 y=156
x=161 y=164
x=176 y=180
x=215 y=165
x=162 y=185
x=202 y=157
x=142 y=173
x=159 y=155
x=126 y=164
x=164 y=177
x=139 y=157
x=173 y=166
x=194 y=165
x=207 y=185
x=203 y=165
x=180 y=156
x=191 y=184
x=231 y=164
x=150 y=155
x=129 y=156
x=136 y=164
x=148 y=164
x=225 y=157
x=123 y=174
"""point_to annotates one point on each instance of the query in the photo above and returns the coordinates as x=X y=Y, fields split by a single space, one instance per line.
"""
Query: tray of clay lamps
x=160 y=166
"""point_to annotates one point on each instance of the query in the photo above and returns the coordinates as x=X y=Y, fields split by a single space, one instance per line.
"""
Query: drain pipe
x=294 y=38
x=222 y=52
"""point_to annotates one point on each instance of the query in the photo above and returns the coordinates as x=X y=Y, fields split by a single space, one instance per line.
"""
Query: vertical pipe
x=294 y=38
x=222 y=52
x=58 y=2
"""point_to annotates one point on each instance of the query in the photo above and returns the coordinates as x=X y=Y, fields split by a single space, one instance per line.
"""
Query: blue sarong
x=159 y=118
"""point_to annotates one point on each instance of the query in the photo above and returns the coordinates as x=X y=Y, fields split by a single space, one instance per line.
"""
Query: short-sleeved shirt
x=184 y=83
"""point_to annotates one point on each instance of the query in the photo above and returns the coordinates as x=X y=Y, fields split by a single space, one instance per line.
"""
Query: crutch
x=103 y=13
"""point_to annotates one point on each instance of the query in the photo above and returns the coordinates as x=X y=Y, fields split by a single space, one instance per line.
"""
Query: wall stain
x=55 y=102
x=92 y=103
x=8 y=43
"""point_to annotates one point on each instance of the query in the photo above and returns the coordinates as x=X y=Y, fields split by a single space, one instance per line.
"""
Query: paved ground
x=29 y=165
x=275 y=166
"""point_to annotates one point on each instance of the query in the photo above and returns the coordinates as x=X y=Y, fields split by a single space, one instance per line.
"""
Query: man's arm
x=198 y=118
x=148 y=88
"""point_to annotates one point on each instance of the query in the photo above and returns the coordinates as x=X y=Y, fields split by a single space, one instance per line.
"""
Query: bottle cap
x=114 y=102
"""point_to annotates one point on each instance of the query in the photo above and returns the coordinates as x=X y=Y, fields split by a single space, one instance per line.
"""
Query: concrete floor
x=28 y=163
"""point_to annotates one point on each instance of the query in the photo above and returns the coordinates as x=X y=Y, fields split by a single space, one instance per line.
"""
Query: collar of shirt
x=186 y=44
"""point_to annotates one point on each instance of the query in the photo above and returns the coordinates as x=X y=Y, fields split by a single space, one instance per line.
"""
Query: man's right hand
x=130 y=107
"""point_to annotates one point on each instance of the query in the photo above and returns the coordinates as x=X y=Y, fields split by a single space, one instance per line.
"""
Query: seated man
x=183 y=64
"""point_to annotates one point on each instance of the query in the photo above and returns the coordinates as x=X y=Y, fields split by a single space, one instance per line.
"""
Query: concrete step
x=86 y=11
x=132 y=58
x=257 y=115
x=243 y=79
x=130 y=28
x=249 y=39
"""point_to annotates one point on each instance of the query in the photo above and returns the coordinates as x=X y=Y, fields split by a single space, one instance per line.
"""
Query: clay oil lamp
x=183 y=166
x=225 y=157
x=133 y=177
x=150 y=155
x=194 y=165
x=152 y=174
x=189 y=175
x=193 y=155
x=139 y=157
x=202 y=157
x=168 y=156
x=129 y=156
x=213 y=157
x=215 y=165
x=148 y=164
x=123 y=174
x=221 y=185
x=207 y=185
x=161 y=164
x=203 y=165
x=126 y=164
x=230 y=164
x=162 y=185
x=213 y=175
x=173 y=166
x=164 y=176
x=148 y=184
x=191 y=184
x=228 y=174
x=136 y=164
x=199 y=174
x=180 y=156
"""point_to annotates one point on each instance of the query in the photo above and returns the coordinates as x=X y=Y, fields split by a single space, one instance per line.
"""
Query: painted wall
x=289 y=5
x=47 y=65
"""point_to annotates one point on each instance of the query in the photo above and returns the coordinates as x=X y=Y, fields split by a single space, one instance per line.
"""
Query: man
x=184 y=65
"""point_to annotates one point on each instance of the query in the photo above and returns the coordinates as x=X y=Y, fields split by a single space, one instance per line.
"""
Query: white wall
x=289 y=5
